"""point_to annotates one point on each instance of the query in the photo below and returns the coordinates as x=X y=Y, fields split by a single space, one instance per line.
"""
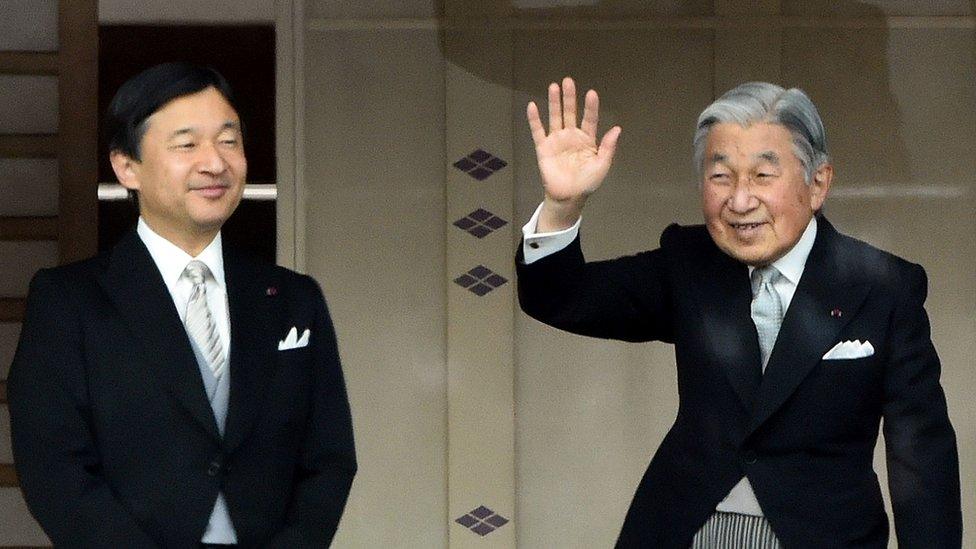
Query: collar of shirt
x=171 y=260
x=792 y=264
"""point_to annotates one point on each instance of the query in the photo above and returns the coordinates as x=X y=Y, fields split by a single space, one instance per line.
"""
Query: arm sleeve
x=54 y=448
x=328 y=460
x=626 y=298
x=923 y=462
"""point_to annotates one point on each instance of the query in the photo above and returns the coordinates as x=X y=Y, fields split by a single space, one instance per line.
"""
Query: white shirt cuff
x=535 y=246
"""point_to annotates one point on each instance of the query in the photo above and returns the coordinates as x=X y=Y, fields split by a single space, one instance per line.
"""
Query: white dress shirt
x=535 y=246
x=171 y=262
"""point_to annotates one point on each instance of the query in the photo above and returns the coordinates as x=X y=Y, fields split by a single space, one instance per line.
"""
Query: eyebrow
x=228 y=125
x=717 y=157
x=769 y=156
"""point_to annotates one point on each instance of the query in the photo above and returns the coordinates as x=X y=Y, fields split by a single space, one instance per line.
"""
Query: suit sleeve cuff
x=535 y=246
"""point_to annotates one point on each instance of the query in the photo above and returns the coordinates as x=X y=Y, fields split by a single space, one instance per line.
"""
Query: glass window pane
x=9 y=333
x=28 y=104
x=29 y=25
x=29 y=187
x=19 y=261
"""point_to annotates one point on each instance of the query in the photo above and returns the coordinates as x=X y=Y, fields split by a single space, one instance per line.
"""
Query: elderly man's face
x=754 y=197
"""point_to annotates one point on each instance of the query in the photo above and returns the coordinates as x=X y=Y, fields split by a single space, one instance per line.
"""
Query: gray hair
x=764 y=102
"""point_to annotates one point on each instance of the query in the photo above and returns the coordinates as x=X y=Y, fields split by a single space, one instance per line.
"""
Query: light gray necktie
x=767 y=310
x=199 y=322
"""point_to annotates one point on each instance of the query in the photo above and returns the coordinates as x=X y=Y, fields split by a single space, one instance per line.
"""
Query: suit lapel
x=731 y=334
x=134 y=285
x=811 y=326
x=254 y=320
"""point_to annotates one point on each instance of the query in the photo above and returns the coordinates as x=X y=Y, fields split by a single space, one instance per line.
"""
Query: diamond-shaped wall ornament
x=480 y=280
x=480 y=223
x=482 y=521
x=480 y=164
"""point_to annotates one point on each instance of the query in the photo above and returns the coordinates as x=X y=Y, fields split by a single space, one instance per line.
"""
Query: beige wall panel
x=185 y=11
x=29 y=186
x=863 y=8
x=591 y=412
x=481 y=469
x=745 y=57
x=897 y=104
x=9 y=334
x=19 y=261
x=746 y=7
x=375 y=240
x=28 y=104
x=19 y=528
x=29 y=25
x=372 y=9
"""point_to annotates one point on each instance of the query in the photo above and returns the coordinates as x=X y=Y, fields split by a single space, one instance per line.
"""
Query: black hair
x=147 y=92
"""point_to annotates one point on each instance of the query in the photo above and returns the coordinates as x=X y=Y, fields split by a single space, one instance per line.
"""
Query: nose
x=210 y=160
x=741 y=200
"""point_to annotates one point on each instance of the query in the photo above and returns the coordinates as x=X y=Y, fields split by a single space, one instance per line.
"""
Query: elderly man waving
x=793 y=341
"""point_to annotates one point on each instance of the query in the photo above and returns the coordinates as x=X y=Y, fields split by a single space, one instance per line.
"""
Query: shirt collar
x=791 y=265
x=171 y=260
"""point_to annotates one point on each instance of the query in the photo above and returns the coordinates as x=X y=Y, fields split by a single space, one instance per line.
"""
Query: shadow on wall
x=850 y=82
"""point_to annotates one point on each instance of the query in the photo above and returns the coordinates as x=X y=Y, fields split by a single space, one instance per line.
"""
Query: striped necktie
x=767 y=310
x=199 y=322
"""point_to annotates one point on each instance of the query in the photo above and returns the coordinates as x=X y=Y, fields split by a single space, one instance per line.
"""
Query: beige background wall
x=394 y=94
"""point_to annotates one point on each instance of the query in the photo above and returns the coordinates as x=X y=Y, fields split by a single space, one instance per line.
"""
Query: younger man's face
x=192 y=170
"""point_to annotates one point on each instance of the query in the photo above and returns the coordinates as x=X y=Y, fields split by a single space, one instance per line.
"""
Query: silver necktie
x=767 y=310
x=199 y=322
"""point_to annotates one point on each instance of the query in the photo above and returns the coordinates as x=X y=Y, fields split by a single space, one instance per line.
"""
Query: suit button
x=214 y=468
x=749 y=457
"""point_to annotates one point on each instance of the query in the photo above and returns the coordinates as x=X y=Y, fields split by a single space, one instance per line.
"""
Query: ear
x=126 y=169
x=820 y=186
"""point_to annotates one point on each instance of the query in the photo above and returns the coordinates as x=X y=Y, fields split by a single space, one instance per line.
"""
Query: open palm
x=571 y=163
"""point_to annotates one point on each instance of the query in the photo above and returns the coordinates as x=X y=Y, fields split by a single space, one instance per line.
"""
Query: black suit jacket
x=114 y=440
x=804 y=432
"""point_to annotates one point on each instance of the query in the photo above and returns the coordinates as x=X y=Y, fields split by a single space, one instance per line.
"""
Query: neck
x=191 y=242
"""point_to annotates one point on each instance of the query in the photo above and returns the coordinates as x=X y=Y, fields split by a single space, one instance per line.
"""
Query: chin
x=746 y=255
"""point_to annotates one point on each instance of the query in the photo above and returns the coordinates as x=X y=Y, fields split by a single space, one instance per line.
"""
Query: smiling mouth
x=747 y=231
x=746 y=226
x=211 y=191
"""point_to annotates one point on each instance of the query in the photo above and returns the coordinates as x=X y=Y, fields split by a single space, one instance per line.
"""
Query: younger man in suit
x=171 y=392
x=792 y=340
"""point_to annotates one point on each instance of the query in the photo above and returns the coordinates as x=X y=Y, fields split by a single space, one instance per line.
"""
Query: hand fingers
x=591 y=113
x=555 y=111
x=569 y=103
x=608 y=145
x=535 y=124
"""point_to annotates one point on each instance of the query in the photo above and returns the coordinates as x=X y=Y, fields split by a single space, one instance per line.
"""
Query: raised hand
x=571 y=164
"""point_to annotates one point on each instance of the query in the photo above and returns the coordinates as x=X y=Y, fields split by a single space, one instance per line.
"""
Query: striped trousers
x=735 y=531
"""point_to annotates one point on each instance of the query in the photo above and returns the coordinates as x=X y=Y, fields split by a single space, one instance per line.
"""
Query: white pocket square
x=292 y=341
x=850 y=349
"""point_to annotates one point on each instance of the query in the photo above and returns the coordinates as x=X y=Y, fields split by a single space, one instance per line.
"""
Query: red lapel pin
x=271 y=291
x=836 y=313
